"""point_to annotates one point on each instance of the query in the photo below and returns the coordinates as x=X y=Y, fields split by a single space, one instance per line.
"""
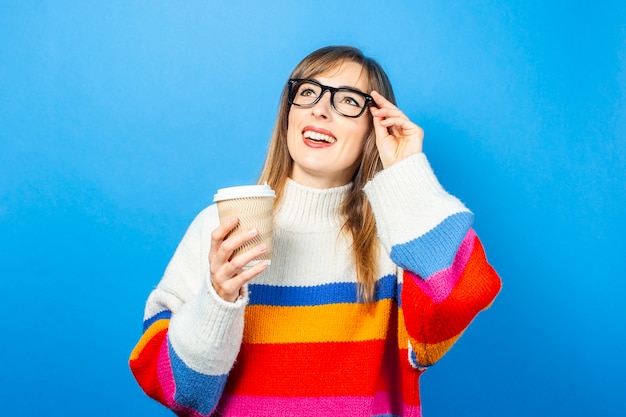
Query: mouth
x=319 y=137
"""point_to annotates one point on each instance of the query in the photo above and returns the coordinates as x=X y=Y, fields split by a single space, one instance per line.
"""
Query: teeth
x=319 y=136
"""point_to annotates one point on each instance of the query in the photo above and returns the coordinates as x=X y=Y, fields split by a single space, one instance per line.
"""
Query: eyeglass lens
x=345 y=101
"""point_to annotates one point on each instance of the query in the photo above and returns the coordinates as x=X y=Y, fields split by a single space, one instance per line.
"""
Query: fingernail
x=252 y=232
x=262 y=247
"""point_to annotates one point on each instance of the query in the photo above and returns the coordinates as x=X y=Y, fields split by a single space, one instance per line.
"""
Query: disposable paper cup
x=253 y=205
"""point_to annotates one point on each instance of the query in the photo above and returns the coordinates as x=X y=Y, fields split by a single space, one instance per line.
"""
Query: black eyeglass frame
x=369 y=101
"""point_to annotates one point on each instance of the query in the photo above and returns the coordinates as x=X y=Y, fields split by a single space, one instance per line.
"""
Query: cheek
x=364 y=138
x=293 y=121
x=359 y=145
x=290 y=129
x=363 y=133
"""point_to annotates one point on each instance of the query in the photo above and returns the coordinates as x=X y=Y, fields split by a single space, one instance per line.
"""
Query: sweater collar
x=310 y=209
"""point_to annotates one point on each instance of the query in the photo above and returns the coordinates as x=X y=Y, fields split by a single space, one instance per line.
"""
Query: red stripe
x=410 y=381
x=145 y=369
x=307 y=369
x=429 y=322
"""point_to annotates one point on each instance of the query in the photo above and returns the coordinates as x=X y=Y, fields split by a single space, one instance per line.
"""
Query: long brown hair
x=355 y=210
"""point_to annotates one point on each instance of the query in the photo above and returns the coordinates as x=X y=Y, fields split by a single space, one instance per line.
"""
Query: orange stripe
x=325 y=323
x=156 y=327
x=427 y=354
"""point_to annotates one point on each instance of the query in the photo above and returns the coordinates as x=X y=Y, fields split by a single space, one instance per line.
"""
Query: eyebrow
x=349 y=87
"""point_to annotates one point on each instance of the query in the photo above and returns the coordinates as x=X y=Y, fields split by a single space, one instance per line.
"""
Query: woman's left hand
x=397 y=137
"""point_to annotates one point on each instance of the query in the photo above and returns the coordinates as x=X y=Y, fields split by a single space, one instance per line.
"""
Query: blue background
x=118 y=120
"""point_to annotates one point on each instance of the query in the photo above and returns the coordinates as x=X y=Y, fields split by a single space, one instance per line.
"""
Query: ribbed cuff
x=412 y=178
x=206 y=333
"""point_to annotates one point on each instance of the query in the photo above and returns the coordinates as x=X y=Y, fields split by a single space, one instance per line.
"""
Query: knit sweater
x=299 y=342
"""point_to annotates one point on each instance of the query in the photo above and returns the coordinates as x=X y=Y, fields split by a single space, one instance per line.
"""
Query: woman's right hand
x=227 y=273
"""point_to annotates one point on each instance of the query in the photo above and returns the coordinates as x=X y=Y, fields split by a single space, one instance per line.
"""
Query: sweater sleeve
x=444 y=275
x=191 y=336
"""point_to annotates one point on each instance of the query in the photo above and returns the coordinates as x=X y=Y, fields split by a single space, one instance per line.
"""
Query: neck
x=321 y=181
x=305 y=208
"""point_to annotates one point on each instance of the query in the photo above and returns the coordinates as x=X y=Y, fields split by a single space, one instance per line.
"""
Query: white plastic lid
x=243 y=191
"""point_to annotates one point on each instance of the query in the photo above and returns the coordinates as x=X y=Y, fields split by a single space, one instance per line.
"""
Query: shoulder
x=206 y=221
x=208 y=214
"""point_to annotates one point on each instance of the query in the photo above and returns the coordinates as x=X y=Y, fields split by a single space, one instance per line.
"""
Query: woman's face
x=325 y=146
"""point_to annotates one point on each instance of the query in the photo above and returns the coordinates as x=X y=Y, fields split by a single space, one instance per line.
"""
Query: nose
x=323 y=107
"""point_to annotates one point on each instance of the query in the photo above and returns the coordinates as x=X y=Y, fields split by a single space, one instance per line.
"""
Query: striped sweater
x=298 y=342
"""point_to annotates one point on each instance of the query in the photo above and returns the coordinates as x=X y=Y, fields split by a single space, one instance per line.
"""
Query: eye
x=351 y=101
x=307 y=92
x=350 y=98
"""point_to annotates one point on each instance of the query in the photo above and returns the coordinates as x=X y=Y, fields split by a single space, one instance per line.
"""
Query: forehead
x=345 y=74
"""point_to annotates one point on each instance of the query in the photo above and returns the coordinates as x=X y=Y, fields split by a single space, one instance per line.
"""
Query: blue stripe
x=193 y=389
x=166 y=314
x=333 y=293
x=436 y=249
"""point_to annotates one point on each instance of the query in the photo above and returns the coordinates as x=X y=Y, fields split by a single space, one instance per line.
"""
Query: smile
x=319 y=137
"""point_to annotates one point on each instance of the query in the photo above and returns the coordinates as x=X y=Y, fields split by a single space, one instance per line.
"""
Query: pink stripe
x=386 y=403
x=240 y=405
x=164 y=371
x=168 y=385
x=440 y=284
x=412 y=411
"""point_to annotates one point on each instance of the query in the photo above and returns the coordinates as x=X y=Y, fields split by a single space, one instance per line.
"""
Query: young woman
x=376 y=270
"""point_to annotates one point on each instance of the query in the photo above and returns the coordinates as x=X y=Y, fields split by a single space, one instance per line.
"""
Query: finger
x=395 y=126
x=224 y=266
x=380 y=100
x=235 y=241
x=231 y=288
x=242 y=259
x=226 y=276
x=391 y=116
x=246 y=275
x=220 y=233
x=400 y=122
x=386 y=112
x=379 y=129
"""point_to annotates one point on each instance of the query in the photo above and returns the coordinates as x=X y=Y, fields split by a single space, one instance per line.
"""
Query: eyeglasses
x=346 y=101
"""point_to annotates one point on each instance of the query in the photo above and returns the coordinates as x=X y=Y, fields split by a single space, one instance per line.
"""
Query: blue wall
x=119 y=119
